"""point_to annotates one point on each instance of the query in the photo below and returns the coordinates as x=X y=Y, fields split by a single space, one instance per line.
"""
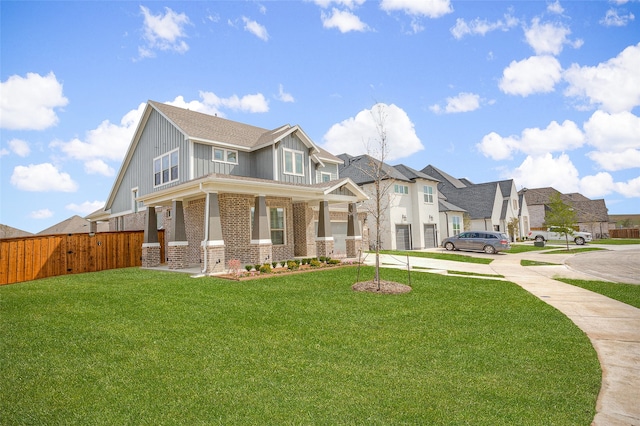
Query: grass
x=526 y=262
x=558 y=250
x=625 y=293
x=617 y=241
x=145 y=347
x=439 y=256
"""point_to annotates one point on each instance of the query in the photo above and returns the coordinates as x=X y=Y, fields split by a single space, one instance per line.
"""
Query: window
x=515 y=204
x=400 y=189
x=165 y=168
x=276 y=223
x=428 y=194
x=326 y=177
x=293 y=162
x=456 y=225
x=225 y=155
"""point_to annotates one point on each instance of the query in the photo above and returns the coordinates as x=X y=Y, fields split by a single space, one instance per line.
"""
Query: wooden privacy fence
x=625 y=233
x=31 y=258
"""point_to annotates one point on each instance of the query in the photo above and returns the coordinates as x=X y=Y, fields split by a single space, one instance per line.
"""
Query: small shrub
x=291 y=264
x=234 y=266
x=297 y=261
x=257 y=266
x=322 y=259
x=314 y=263
x=248 y=268
x=274 y=264
x=265 y=269
x=305 y=261
x=333 y=261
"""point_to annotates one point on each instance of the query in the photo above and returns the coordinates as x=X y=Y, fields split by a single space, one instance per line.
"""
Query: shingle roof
x=361 y=169
x=413 y=173
x=587 y=210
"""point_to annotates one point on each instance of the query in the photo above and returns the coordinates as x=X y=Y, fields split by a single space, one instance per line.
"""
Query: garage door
x=403 y=237
x=430 y=236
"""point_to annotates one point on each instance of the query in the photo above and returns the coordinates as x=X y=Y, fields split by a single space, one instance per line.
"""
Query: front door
x=403 y=237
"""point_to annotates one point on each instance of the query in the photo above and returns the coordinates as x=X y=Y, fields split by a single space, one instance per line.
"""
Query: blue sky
x=546 y=93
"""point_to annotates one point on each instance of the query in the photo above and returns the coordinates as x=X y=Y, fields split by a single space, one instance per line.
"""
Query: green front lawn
x=142 y=347
x=626 y=293
x=439 y=256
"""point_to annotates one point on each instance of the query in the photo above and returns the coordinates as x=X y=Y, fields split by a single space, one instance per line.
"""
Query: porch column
x=354 y=236
x=213 y=244
x=177 y=246
x=324 y=239
x=261 y=246
x=151 y=245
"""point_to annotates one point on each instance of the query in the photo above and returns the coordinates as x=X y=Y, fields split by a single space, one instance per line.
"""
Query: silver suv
x=487 y=241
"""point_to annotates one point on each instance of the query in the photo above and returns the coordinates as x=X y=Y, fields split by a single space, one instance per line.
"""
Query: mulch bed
x=386 y=287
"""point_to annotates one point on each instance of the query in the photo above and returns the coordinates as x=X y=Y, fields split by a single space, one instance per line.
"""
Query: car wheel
x=449 y=246
x=539 y=238
x=489 y=249
x=580 y=241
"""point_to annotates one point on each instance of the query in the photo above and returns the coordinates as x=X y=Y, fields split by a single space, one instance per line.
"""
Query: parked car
x=578 y=237
x=488 y=241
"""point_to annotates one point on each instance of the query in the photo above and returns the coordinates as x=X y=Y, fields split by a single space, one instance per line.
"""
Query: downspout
x=206 y=231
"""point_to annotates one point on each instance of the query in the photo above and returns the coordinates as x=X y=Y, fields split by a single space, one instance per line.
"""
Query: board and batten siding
x=158 y=137
x=203 y=163
x=332 y=169
x=262 y=163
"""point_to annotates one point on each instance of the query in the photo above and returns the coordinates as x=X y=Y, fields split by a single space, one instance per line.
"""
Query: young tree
x=560 y=217
x=512 y=227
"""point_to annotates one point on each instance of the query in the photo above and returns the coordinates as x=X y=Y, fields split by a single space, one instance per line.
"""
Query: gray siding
x=263 y=163
x=328 y=168
x=158 y=137
x=292 y=142
x=203 y=163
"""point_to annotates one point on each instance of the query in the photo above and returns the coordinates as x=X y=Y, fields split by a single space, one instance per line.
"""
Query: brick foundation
x=177 y=254
x=261 y=253
x=215 y=258
x=150 y=255
x=324 y=247
x=354 y=244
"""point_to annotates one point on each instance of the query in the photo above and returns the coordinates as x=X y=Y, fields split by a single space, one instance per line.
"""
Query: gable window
x=515 y=204
x=428 y=194
x=326 y=177
x=400 y=189
x=165 y=168
x=225 y=155
x=293 y=162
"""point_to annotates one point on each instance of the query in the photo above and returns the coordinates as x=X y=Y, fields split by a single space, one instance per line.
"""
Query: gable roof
x=587 y=210
x=72 y=225
x=413 y=173
x=360 y=169
x=7 y=231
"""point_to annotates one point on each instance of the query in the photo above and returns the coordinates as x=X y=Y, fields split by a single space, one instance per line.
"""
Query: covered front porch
x=216 y=219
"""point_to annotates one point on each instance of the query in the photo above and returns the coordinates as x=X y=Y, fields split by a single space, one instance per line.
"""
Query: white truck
x=578 y=237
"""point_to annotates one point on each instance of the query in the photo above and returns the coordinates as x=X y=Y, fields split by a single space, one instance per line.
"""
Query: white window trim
x=160 y=157
x=323 y=174
x=428 y=194
x=293 y=161
x=402 y=187
x=225 y=153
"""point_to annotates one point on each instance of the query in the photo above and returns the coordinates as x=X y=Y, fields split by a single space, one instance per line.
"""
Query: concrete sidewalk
x=613 y=327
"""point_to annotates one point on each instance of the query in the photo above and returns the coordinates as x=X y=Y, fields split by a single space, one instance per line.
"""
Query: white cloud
x=533 y=141
x=42 y=177
x=555 y=7
x=597 y=185
x=629 y=189
x=613 y=132
x=482 y=26
x=359 y=135
x=350 y=4
x=343 y=20
x=537 y=74
x=547 y=38
x=19 y=147
x=255 y=28
x=41 y=214
x=108 y=141
x=613 y=85
x=431 y=9
x=98 y=167
x=29 y=103
x=163 y=32
x=614 y=161
x=545 y=170
x=4 y=152
x=613 y=19
x=247 y=103
x=464 y=102
x=86 y=207
x=284 y=96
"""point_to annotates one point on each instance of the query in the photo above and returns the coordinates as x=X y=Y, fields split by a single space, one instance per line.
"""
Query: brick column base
x=324 y=247
x=215 y=257
x=150 y=255
x=354 y=244
x=177 y=254
x=261 y=253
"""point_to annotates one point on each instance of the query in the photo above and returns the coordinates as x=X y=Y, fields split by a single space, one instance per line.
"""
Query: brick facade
x=177 y=255
x=150 y=255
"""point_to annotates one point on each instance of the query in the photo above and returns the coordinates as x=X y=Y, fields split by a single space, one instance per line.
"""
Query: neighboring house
x=592 y=215
x=73 y=225
x=225 y=190
x=411 y=220
x=7 y=231
x=489 y=206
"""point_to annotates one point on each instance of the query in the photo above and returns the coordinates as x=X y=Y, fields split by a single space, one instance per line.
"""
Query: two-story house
x=226 y=190
x=410 y=218
x=488 y=206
